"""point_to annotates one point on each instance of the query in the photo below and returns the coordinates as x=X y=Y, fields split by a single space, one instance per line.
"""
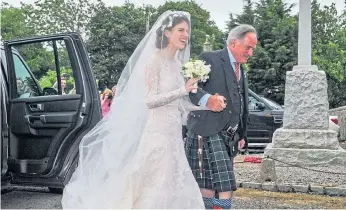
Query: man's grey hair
x=239 y=32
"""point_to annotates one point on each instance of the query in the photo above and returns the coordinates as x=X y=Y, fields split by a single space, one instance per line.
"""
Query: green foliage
x=276 y=52
x=50 y=78
x=59 y=16
x=37 y=58
x=13 y=24
x=16 y=25
x=277 y=49
x=115 y=33
x=329 y=49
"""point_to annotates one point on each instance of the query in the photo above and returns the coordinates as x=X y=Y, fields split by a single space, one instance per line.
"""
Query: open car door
x=53 y=103
x=5 y=178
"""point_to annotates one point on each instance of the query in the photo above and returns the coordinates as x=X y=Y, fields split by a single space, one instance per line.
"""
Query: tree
x=277 y=48
x=13 y=24
x=51 y=77
x=115 y=33
x=201 y=22
x=58 y=16
x=276 y=52
x=329 y=49
x=248 y=16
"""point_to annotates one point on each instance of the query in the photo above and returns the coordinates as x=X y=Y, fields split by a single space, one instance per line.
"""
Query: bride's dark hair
x=170 y=22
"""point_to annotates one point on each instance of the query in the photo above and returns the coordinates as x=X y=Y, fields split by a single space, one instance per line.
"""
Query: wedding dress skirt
x=156 y=174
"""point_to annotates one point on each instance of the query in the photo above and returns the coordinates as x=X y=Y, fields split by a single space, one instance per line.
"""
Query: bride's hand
x=190 y=84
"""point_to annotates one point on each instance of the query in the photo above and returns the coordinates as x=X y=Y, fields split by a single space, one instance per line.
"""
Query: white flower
x=196 y=69
x=170 y=21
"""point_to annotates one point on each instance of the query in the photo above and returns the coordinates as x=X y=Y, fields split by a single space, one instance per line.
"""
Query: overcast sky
x=219 y=9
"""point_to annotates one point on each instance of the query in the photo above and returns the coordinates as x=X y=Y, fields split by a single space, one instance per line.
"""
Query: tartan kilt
x=218 y=171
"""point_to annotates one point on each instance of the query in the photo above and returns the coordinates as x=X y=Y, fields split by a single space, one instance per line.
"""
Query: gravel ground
x=293 y=175
x=257 y=199
x=40 y=198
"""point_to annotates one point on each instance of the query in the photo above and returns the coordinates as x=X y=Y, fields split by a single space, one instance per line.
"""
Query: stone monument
x=207 y=46
x=304 y=138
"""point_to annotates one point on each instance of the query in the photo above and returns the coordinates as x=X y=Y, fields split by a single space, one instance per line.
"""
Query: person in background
x=63 y=80
x=106 y=100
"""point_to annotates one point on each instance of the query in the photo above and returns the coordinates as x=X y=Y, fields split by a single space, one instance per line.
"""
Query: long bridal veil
x=106 y=151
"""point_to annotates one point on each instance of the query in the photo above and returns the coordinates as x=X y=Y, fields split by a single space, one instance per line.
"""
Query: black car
x=42 y=122
x=265 y=116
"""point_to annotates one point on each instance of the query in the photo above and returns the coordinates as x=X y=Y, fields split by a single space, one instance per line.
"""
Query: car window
x=272 y=103
x=252 y=103
x=26 y=85
x=50 y=67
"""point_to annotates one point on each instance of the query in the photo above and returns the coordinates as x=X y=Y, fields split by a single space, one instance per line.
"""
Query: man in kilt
x=214 y=137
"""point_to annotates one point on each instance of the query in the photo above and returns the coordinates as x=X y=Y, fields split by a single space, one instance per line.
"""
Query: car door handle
x=36 y=107
x=30 y=119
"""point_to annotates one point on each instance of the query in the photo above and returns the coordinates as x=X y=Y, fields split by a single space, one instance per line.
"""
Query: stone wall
x=341 y=113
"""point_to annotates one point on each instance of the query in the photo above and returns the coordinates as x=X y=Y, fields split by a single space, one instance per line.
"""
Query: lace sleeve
x=154 y=98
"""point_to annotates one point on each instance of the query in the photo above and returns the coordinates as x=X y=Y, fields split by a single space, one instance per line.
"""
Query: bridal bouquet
x=196 y=69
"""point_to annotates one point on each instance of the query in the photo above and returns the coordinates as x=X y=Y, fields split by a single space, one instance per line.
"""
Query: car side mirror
x=260 y=106
x=47 y=91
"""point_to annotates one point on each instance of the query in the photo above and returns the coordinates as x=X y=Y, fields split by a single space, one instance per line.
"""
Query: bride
x=134 y=157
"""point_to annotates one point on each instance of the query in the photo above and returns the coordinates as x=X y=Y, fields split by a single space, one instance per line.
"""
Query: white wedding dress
x=134 y=157
x=160 y=176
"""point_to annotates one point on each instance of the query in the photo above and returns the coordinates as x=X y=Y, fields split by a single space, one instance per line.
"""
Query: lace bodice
x=164 y=82
x=166 y=86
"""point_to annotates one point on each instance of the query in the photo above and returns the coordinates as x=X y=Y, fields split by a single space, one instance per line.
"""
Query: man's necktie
x=237 y=70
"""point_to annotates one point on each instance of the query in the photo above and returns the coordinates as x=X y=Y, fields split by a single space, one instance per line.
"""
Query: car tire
x=55 y=190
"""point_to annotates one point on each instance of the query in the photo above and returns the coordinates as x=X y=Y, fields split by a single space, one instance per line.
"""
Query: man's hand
x=241 y=144
x=216 y=103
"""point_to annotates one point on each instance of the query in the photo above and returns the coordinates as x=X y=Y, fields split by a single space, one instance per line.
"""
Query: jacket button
x=230 y=112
